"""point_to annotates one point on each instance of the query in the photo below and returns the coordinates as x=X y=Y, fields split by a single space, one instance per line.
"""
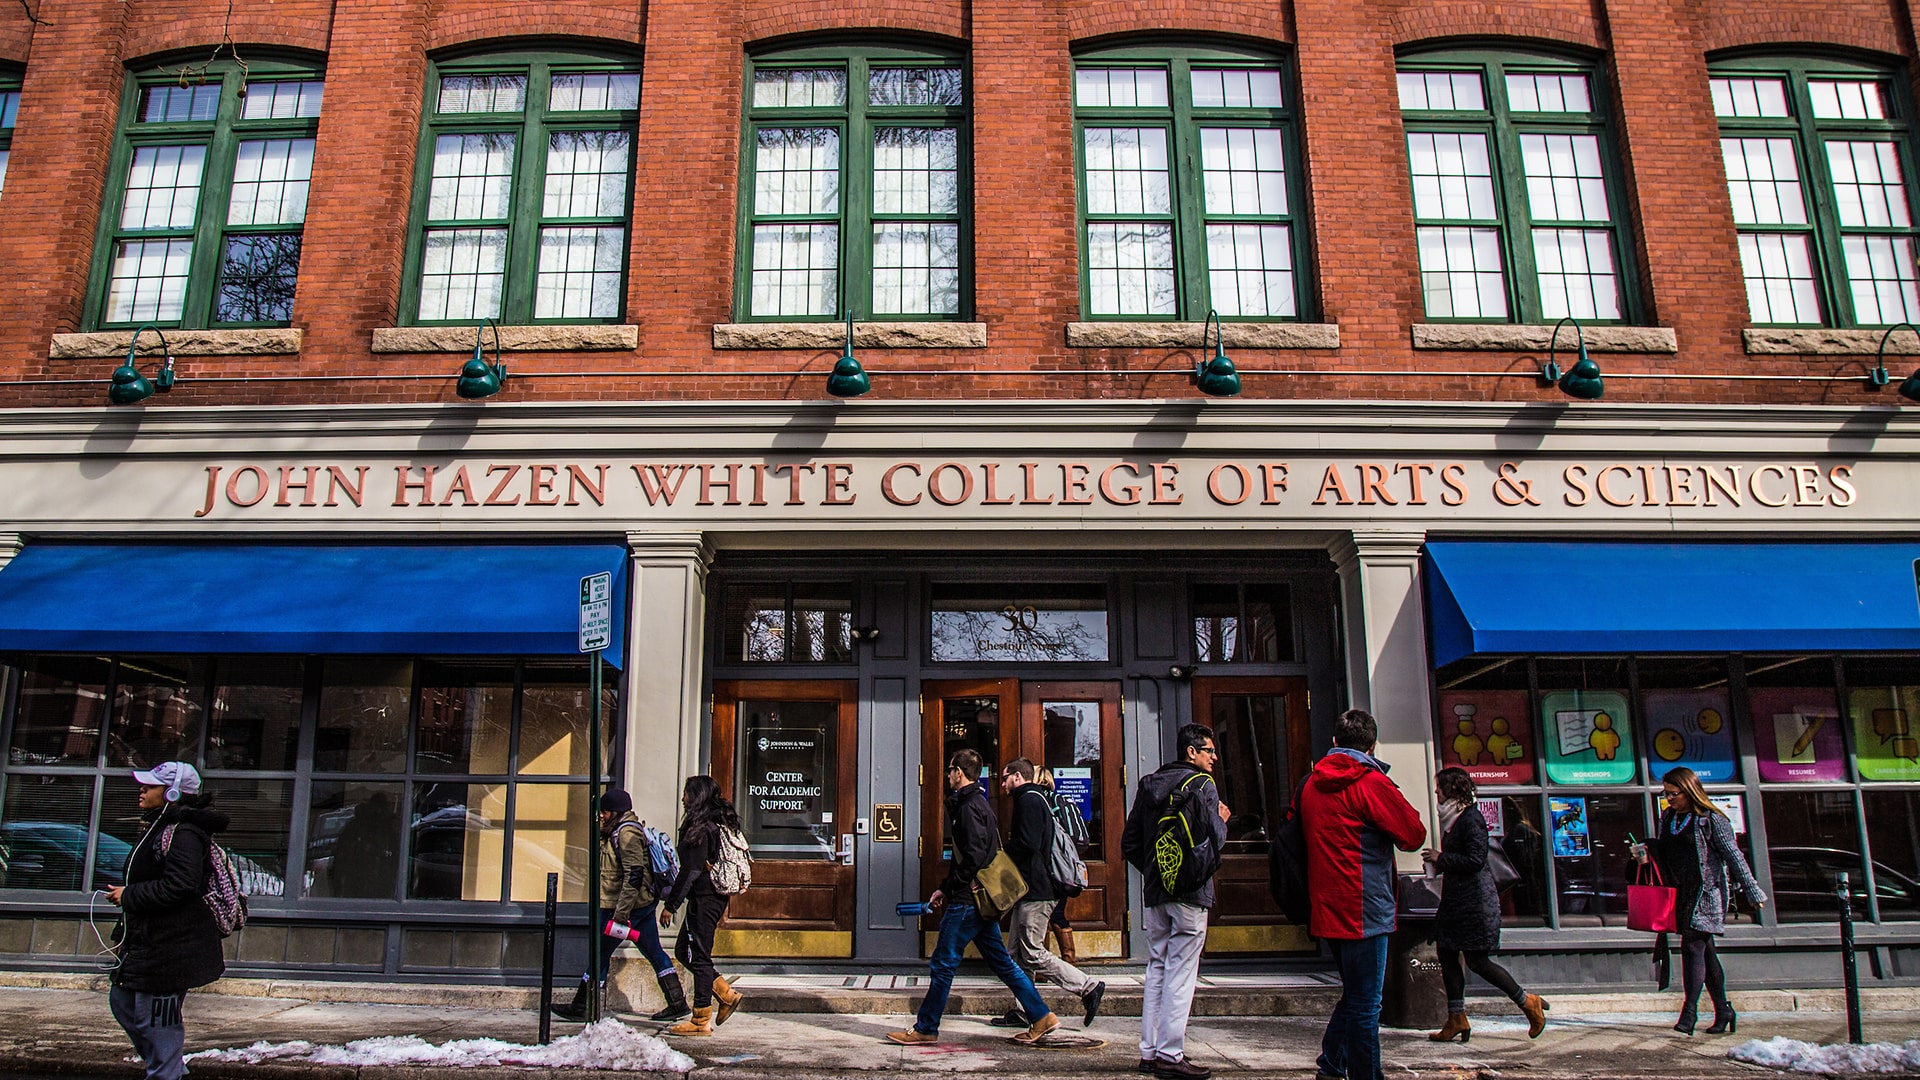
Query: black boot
x=574 y=1011
x=676 y=1000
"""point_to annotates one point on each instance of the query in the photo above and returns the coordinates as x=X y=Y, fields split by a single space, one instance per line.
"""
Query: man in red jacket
x=1353 y=818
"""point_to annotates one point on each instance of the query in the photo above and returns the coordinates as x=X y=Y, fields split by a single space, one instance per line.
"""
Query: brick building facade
x=669 y=211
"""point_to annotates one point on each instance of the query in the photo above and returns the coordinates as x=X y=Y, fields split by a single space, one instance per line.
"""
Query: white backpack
x=731 y=868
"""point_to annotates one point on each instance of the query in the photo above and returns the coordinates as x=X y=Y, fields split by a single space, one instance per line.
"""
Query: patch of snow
x=1784 y=1053
x=608 y=1044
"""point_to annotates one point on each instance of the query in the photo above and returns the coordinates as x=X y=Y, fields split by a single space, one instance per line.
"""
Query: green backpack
x=1183 y=863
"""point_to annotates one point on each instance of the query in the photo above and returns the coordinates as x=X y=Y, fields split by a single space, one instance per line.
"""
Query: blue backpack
x=664 y=868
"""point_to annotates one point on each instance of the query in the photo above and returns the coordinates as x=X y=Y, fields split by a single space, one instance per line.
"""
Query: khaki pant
x=1030 y=918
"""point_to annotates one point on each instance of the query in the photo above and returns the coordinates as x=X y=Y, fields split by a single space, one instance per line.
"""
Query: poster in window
x=1488 y=733
x=1734 y=806
x=1492 y=813
x=1571 y=836
x=1796 y=734
x=1587 y=737
x=788 y=787
x=1886 y=731
x=1691 y=728
x=1075 y=787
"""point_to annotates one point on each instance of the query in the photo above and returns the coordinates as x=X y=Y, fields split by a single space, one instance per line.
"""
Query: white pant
x=1030 y=918
x=1175 y=935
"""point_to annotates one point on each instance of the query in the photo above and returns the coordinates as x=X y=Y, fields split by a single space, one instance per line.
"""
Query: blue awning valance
x=1612 y=597
x=439 y=599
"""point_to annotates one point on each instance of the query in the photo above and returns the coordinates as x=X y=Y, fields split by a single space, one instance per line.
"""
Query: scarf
x=1449 y=814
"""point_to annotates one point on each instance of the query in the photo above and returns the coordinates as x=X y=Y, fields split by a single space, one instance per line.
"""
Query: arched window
x=1517 y=204
x=523 y=190
x=206 y=197
x=1820 y=174
x=1190 y=185
x=853 y=193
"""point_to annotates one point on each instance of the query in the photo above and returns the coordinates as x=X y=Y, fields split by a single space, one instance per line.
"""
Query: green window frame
x=523 y=190
x=1191 y=186
x=1519 y=211
x=206 y=198
x=9 y=107
x=855 y=180
x=1820 y=177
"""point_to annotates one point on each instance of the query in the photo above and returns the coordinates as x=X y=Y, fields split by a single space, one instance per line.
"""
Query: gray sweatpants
x=1030 y=947
x=154 y=1023
x=1175 y=935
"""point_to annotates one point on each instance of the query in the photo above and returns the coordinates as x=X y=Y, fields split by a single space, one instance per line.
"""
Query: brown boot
x=1536 y=1010
x=1456 y=1025
x=725 y=996
x=1065 y=934
x=700 y=1023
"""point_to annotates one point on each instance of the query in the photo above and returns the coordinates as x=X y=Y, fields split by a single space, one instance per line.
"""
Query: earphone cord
x=106 y=950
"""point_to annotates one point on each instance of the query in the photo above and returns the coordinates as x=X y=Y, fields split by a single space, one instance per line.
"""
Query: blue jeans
x=960 y=926
x=1351 y=1046
x=647 y=921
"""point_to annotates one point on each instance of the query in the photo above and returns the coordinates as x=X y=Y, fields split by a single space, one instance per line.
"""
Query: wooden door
x=1260 y=727
x=786 y=753
x=977 y=714
x=1073 y=728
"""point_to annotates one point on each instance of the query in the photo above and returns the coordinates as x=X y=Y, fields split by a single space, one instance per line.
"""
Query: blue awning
x=1610 y=597
x=440 y=599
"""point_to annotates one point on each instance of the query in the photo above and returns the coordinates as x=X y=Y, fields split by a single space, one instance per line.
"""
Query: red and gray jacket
x=1353 y=817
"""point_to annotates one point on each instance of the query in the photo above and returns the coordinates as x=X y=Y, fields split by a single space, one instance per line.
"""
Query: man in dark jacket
x=168 y=942
x=1176 y=925
x=976 y=840
x=1353 y=818
x=1030 y=846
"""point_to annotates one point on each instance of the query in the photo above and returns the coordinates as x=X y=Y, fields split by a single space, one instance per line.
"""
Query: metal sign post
x=596 y=633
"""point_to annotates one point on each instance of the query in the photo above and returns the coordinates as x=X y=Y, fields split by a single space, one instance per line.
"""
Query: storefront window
x=1883 y=700
x=1070 y=735
x=1589 y=840
x=466 y=718
x=363 y=716
x=1796 y=720
x=1513 y=822
x=159 y=707
x=549 y=837
x=44 y=822
x=61 y=709
x=456 y=844
x=555 y=705
x=1586 y=724
x=1893 y=834
x=1034 y=623
x=1235 y=623
x=256 y=837
x=1253 y=772
x=786 y=779
x=353 y=840
x=1689 y=718
x=1812 y=836
x=255 y=719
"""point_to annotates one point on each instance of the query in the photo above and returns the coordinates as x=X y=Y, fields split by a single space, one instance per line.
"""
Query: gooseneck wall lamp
x=849 y=379
x=479 y=379
x=127 y=386
x=1878 y=377
x=1215 y=377
x=1583 y=380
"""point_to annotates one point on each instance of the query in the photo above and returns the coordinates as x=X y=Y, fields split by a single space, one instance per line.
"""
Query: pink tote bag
x=1650 y=907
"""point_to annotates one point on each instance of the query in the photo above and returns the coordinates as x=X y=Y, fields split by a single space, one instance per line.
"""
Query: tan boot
x=700 y=1023
x=1064 y=934
x=1536 y=1010
x=1456 y=1025
x=725 y=996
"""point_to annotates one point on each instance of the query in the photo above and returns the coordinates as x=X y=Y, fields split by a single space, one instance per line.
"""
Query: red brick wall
x=1026 y=276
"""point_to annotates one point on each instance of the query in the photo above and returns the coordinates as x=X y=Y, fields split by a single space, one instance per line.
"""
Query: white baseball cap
x=170 y=774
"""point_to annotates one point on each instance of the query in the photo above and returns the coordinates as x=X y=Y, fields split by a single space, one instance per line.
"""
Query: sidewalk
x=69 y=1031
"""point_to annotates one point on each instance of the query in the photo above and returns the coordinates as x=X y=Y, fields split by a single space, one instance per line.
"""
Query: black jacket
x=697 y=848
x=1469 y=915
x=1136 y=843
x=976 y=840
x=1030 y=842
x=169 y=943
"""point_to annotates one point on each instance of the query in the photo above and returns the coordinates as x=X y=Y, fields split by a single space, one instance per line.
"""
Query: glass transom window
x=1188 y=186
x=854 y=187
x=1819 y=176
x=1516 y=215
x=523 y=191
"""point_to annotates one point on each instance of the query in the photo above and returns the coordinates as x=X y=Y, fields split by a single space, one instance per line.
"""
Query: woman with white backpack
x=714 y=868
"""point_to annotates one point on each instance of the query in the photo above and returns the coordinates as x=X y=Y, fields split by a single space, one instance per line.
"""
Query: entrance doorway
x=1072 y=728
x=1260 y=727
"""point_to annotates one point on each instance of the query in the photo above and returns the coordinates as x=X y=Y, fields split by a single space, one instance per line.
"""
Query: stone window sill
x=1233 y=335
x=277 y=341
x=833 y=335
x=1825 y=341
x=459 y=339
x=1506 y=337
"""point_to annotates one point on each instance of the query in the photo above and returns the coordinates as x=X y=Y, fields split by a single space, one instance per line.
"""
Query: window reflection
x=255 y=719
x=555 y=711
x=1028 y=623
x=43 y=824
x=466 y=718
x=1812 y=837
x=353 y=840
x=549 y=833
x=1589 y=844
x=363 y=716
x=1253 y=771
x=61 y=709
x=780 y=622
x=1242 y=623
x=159 y=706
x=1071 y=738
x=456 y=844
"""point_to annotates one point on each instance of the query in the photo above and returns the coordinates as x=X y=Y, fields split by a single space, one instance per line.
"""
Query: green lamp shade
x=128 y=386
x=849 y=379
x=1217 y=377
x=1910 y=389
x=1583 y=381
x=479 y=379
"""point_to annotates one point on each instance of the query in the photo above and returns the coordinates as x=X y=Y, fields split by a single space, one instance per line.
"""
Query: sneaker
x=1010 y=1018
x=912 y=1037
x=1041 y=1029
x=1091 y=1002
x=1146 y=1065
x=1181 y=1070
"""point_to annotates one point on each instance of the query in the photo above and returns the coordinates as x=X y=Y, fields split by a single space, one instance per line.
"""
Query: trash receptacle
x=1414 y=995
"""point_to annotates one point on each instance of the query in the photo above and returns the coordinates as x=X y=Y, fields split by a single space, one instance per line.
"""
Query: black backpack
x=1182 y=860
x=1287 y=865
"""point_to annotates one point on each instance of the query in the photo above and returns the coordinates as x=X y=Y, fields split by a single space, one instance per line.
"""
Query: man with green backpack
x=1174 y=836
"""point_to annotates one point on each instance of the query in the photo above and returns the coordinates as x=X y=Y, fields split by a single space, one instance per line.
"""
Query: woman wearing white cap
x=168 y=941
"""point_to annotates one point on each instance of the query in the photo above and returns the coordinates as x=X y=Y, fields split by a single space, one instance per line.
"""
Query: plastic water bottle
x=621 y=930
x=911 y=909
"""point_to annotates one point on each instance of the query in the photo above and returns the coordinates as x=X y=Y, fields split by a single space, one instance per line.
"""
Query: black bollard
x=1848 y=962
x=546 y=959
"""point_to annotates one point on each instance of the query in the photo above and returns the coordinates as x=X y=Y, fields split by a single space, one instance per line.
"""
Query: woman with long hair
x=1468 y=922
x=1694 y=847
x=708 y=820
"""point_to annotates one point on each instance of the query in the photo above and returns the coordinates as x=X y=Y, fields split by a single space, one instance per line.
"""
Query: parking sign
x=596 y=611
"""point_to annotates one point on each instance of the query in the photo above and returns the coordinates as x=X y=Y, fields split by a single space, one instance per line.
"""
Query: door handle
x=845 y=853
